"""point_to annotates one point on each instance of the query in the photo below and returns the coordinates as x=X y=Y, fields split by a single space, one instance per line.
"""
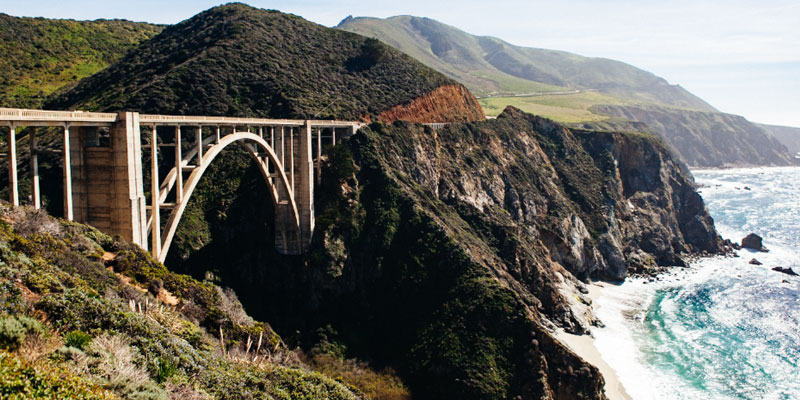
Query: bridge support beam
x=114 y=189
x=304 y=184
x=13 y=189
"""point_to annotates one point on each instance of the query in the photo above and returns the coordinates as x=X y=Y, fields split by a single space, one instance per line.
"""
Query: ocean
x=722 y=328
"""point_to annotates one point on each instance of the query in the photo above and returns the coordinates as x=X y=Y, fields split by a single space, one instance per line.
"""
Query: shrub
x=32 y=325
x=12 y=333
x=77 y=339
x=22 y=380
x=11 y=300
x=166 y=369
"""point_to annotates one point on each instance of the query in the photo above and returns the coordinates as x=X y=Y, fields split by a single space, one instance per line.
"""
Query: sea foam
x=722 y=328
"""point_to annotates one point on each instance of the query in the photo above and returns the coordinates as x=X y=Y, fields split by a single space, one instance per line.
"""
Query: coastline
x=584 y=346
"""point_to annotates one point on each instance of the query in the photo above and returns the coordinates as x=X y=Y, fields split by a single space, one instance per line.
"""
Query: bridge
x=104 y=179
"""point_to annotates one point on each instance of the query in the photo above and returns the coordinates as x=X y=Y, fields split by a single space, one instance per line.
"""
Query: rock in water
x=753 y=241
x=755 y=262
x=786 y=270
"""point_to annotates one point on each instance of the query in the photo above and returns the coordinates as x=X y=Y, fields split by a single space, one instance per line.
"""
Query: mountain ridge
x=39 y=56
x=437 y=43
x=594 y=92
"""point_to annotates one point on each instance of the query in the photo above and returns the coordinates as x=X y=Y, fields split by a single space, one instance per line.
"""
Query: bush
x=20 y=380
x=77 y=339
x=166 y=369
x=12 y=333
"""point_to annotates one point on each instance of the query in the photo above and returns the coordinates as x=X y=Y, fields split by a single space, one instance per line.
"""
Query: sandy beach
x=584 y=347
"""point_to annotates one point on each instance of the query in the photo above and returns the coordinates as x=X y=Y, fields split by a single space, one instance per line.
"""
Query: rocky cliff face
x=451 y=255
x=448 y=103
x=707 y=139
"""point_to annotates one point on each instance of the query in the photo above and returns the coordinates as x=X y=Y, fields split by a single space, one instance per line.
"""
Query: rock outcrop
x=753 y=242
x=465 y=247
x=707 y=139
x=449 y=103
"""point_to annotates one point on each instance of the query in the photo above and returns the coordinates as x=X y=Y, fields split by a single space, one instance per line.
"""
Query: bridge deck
x=59 y=118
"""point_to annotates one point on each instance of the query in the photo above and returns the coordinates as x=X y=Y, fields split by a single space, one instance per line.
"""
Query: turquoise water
x=721 y=329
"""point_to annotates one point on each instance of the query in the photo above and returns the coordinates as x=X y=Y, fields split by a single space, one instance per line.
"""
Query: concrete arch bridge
x=103 y=168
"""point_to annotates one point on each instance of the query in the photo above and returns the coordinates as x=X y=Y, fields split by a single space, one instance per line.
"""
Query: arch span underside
x=279 y=186
x=103 y=181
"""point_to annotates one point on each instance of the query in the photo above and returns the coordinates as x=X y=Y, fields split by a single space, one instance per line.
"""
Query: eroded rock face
x=447 y=103
x=526 y=204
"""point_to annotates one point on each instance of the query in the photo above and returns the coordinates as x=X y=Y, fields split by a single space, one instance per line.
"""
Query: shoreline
x=584 y=347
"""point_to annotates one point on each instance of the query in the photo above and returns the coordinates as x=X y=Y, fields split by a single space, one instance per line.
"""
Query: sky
x=741 y=56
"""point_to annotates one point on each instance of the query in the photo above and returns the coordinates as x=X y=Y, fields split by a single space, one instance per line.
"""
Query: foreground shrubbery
x=75 y=325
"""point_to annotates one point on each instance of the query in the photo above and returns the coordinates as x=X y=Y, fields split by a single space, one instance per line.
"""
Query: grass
x=566 y=108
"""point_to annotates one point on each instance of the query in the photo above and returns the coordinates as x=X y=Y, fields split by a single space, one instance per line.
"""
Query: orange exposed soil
x=449 y=103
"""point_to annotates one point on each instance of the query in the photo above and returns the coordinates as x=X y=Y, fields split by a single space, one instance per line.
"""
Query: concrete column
x=128 y=210
x=218 y=135
x=304 y=193
x=178 y=168
x=37 y=200
x=319 y=155
x=281 y=154
x=67 y=174
x=155 y=203
x=75 y=173
x=291 y=157
x=333 y=136
x=13 y=189
x=199 y=144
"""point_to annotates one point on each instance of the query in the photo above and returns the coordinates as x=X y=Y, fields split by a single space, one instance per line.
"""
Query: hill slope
x=451 y=255
x=707 y=139
x=84 y=316
x=574 y=89
x=490 y=66
x=237 y=60
x=789 y=136
x=40 y=56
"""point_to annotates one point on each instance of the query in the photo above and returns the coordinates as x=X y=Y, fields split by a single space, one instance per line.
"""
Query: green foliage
x=40 y=56
x=11 y=301
x=132 y=354
x=231 y=60
x=22 y=380
x=491 y=67
x=77 y=339
x=166 y=369
x=12 y=333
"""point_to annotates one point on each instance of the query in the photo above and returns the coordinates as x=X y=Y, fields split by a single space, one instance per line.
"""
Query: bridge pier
x=103 y=181
x=107 y=187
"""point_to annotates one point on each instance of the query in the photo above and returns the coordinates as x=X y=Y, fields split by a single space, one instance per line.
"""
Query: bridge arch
x=103 y=181
x=278 y=183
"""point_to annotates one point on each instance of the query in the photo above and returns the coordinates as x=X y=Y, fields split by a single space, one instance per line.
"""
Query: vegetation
x=567 y=108
x=41 y=56
x=492 y=67
x=107 y=336
x=236 y=60
x=611 y=95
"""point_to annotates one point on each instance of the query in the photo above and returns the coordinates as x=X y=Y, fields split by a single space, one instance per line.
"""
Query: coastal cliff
x=707 y=139
x=442 y=252
x=445 y=257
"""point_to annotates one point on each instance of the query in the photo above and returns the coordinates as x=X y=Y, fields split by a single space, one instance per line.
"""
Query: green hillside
x=40 y=56
x=581 y=91
x=492 y=67
x=87 y=316
x=238 y=60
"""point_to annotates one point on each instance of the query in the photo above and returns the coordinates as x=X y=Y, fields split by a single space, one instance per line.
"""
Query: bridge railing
x=282 y=137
